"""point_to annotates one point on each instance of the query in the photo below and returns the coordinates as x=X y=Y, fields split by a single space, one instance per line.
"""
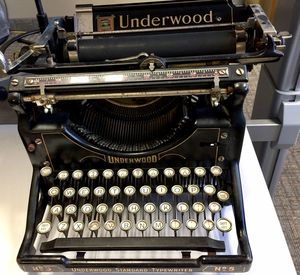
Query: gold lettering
x=208 y=18
x=147 y=159
x=218 y=268
x=145 y=22
x=164 y=20
x=156 y=21
x=175 y=20
x=135 y=23
x=122 y=25
x=148 y=21
x=197 y=18
x=186 y=19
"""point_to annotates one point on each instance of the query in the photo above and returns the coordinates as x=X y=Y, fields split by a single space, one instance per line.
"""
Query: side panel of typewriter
x=78 y=200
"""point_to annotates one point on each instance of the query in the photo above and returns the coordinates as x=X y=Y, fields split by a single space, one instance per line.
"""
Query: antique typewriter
x=132 y=116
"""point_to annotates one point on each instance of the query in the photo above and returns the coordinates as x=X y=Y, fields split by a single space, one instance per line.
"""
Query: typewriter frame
x=235 y=263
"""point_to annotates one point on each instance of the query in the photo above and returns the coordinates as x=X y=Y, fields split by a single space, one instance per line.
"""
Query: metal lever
x=215 y=94
x=36 y=47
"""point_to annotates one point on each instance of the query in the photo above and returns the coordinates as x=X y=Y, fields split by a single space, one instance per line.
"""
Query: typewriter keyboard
x=185 y=209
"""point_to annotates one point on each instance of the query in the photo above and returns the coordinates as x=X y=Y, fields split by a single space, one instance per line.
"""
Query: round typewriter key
x=137 y=173
x=184 y=171
x=129 y=190
x=177 y=190
x=118 y=208
x=69 y=192
x=78 y=227
x=193 y=189
x=198 y=207
x=165 y=207
x=108 y=174
x=169 y=172
x=161 y=190
x=110 y=226
x=158 y=225
x=126 y=225
x=224 y=225
x=149 y=207
x=214 y=207
x=153 y=173
x=53 y=192
x=145 y=190
x=94 y=226
x=44 y=227
x=208 y=225
x=133 y=208
x=191 y=224
x=93 y=174
x=71 y=209
x=142 y=225
x=56 y=210
x=122 y=173
x=99 y=191
x=175 y=224
x=62 y=226
x=216 y=171
x=77 y=174
x=200 y=171
x=223 y=196
x=46 y=171
x=102 y=208
x=87 y=209
x=182 y=207
x=114 y=191
x=63 y=175
x=84 y=192
x=209 y=190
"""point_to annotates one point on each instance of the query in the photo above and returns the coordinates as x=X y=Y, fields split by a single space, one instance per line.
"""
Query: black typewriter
x=132 y=116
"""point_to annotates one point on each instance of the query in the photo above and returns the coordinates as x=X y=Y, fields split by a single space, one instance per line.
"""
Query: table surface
x=270 y=251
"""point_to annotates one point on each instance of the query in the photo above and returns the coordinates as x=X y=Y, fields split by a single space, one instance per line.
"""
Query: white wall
x=26 y=8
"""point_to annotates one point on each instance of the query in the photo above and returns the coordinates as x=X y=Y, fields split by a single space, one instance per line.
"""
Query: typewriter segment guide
x=132 y=116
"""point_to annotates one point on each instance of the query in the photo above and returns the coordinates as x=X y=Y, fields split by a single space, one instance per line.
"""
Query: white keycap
x=93 y=174
x=200 y=171
x=185 y=172
x=77 y=174
x=129 y=190
x=137 y=173
x=46 y=171
x=122 y=173
x=169 y=172
x=44 y=227
x=84 y=192
x=69 y=192
x=216 y=171
x=99 y=191
x=153 y=173
x=108 y=174
x=53 y=191
x=63 y=175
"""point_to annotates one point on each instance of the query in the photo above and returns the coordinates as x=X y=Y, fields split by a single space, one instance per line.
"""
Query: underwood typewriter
x=132 y=118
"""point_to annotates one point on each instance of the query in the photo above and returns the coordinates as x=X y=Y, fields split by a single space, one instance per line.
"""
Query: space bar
x=204 y=244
